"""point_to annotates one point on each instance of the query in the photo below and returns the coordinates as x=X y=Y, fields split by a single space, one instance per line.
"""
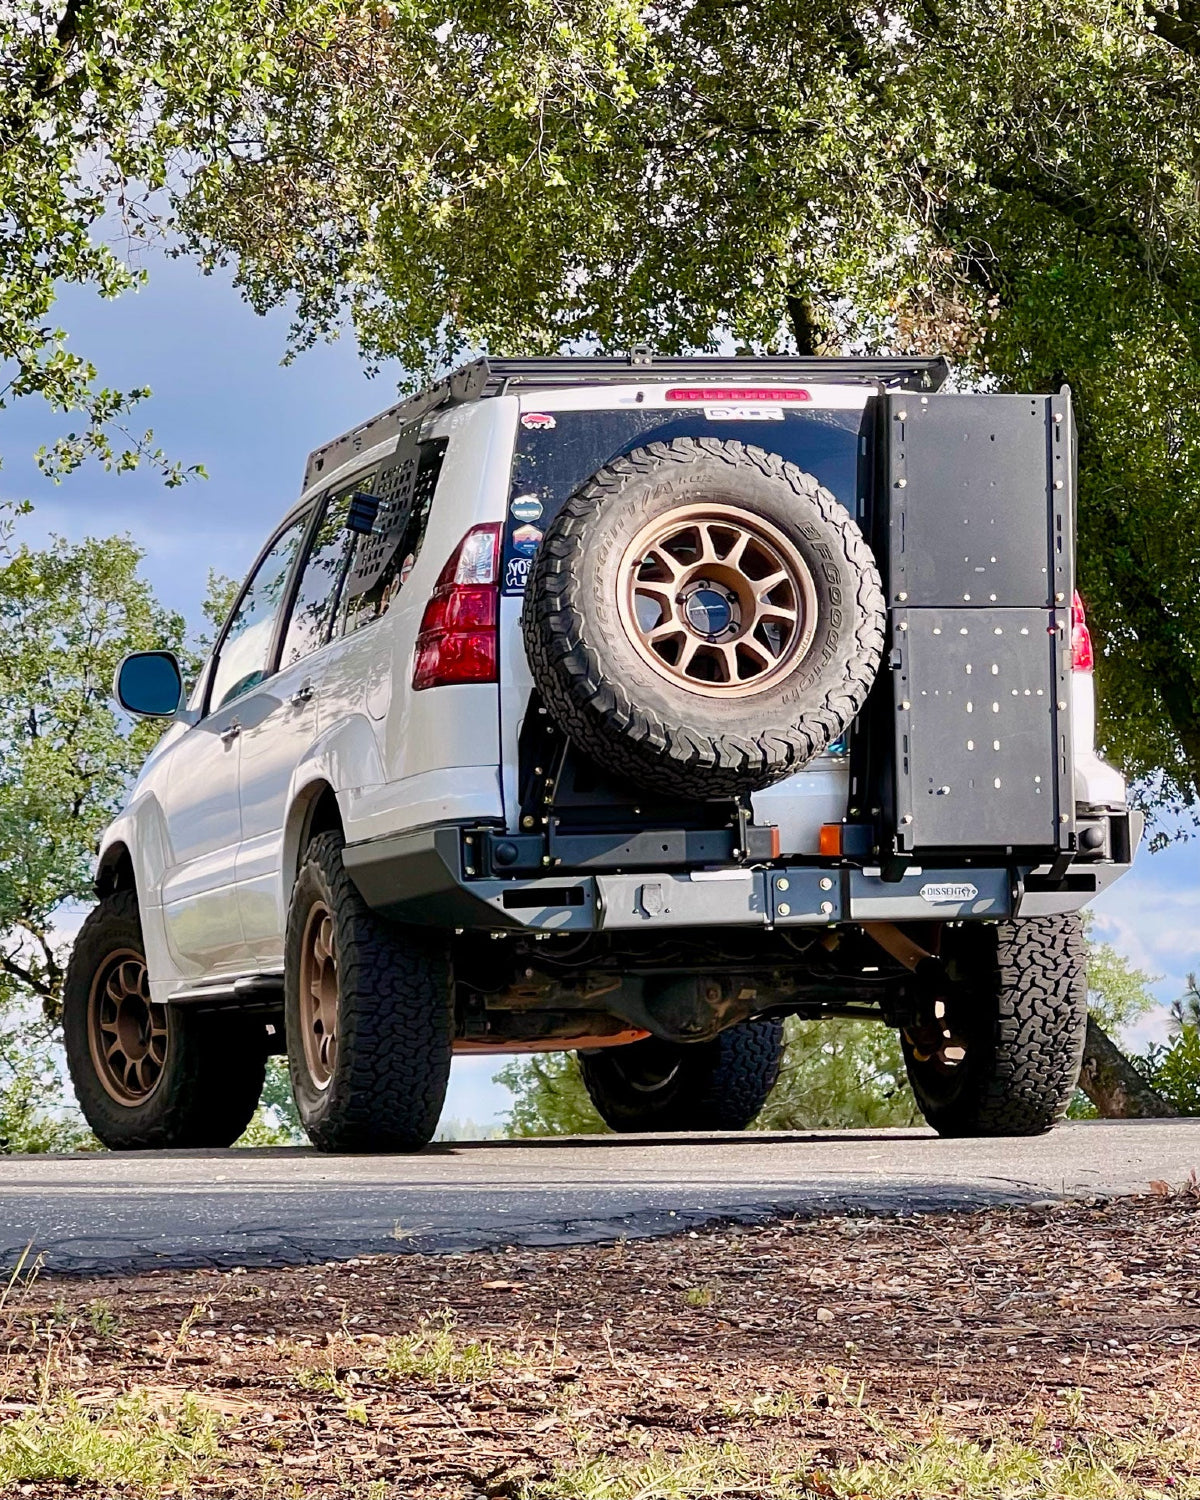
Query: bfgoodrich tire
x=655 y=1085
x=149 y=1075
x=703 y=617
x=1018 y=1017
x=368 y=1014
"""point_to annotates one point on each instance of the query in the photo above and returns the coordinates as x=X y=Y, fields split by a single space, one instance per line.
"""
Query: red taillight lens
x=1082 y=657
x=735 y=393
x=457 y=640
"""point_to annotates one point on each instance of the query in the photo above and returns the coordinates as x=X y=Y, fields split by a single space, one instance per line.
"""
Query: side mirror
x=149 y=683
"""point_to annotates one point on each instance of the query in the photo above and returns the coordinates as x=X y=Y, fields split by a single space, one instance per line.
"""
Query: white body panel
x=280 y=720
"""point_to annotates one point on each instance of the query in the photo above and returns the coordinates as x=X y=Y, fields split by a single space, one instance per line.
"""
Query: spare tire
x=703 y=617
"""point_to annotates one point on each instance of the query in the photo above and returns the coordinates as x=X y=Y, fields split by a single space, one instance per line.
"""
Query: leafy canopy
x=1015 y=185
x=106 y=107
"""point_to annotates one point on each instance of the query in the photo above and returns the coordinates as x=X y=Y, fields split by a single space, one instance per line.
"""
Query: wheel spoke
x=754 y=647
x=688 y=655
x=660 y=557
x=708 y=548
x=733 y=558
x=727 y=654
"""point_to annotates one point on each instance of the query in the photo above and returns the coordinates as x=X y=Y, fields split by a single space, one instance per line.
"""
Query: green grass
x=1082 y=1468
x=129 y=1443
x=435 y=1352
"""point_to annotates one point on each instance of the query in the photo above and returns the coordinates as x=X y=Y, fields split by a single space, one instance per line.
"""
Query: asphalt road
x=247 y=1208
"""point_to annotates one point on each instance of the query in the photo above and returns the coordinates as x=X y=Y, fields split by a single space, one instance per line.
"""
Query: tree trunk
x=810 y=336
x=1114 y=1085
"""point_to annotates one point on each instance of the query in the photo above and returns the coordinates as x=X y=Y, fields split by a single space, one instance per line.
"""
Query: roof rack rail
x=493 y=377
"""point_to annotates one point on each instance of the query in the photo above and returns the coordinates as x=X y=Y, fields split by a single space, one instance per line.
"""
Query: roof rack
x=494 y=377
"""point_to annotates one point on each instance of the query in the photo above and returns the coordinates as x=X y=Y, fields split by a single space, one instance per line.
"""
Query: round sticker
x=525 y=540
x=526 y=508
x=539 y=421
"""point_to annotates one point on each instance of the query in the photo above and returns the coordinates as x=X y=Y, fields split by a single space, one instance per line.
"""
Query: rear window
x=557 y=451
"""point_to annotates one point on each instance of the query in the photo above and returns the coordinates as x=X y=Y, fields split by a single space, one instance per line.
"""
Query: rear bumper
x=420 y=877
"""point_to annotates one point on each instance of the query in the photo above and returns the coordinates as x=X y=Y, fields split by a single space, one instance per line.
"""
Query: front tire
x=150 y=1076
x=654 y=1085
x=1018 y=1017
x=368 y=1013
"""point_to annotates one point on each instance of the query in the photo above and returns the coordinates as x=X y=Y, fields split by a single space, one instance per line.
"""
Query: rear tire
x=654 y=1085
x=150 y=1076
x=1021 y=1019
x=368 y=1014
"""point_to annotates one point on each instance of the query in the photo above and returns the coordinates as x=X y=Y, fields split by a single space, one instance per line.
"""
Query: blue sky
x=223 y=399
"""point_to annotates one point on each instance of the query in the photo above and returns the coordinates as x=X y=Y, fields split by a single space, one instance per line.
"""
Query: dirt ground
x=1034 y=1351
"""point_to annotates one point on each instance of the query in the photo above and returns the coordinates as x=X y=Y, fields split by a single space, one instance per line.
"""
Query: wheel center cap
x=708 y=612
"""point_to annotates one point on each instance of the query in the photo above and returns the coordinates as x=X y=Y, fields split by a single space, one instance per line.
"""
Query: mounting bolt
x=902 y=484
x=901 y=416
x=528 y=821
x=826 y=883
x=902 y=596
x=1058 y=416
x=827 y=908
x=1061 y=704
x=903 y=625
x=907 y=818
x=1058 y=484
x=1059 y=598
x=782 y=883
x=904 y=703
x=783 y=909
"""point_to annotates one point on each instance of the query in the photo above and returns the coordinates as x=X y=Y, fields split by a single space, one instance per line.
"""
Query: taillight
x=721 y=393
x=1082 y=658
x=457 y=640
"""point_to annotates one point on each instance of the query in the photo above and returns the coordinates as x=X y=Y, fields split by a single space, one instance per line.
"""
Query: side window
x=245 y=651
x=381 y=562
x=321 y=581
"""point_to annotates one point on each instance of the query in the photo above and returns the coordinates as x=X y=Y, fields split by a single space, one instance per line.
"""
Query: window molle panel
x=394 y=487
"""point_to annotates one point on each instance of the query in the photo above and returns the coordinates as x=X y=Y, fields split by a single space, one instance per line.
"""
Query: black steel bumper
x=421 y=877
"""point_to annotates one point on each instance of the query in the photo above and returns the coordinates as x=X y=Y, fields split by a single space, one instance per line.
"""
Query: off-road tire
x=1022 y=1012
x=395 y=1019
x=630 y=718
x=212 y=1075
x=717 y=1085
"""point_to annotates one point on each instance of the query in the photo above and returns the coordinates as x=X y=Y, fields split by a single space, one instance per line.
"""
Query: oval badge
x=948 y=892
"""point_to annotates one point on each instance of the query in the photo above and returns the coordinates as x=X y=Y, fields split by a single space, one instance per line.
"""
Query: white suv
x=622 y=706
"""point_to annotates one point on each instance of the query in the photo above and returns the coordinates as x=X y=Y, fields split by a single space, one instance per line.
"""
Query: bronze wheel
x=127 y=1033
x=151 y=1076
x=319 y=995
x=717 y=599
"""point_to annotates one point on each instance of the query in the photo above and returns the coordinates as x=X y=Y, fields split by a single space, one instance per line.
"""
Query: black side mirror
x=363 y=513
x=150 y=684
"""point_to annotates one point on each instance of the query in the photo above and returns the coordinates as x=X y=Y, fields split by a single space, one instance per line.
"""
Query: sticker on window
x=526 y=508
x=539 y=421
x=525 y=540
x=516 y=573
x=760 y=412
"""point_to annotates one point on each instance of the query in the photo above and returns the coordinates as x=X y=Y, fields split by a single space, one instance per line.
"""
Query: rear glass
x=556 y=452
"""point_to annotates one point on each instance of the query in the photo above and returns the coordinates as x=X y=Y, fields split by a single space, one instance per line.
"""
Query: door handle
x=302 y=695
x=230 y=732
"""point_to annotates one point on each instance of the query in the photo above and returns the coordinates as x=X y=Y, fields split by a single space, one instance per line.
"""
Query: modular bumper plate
x=418 y=877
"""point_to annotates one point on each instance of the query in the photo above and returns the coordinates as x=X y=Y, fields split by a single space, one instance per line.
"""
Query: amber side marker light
x=831 y=839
